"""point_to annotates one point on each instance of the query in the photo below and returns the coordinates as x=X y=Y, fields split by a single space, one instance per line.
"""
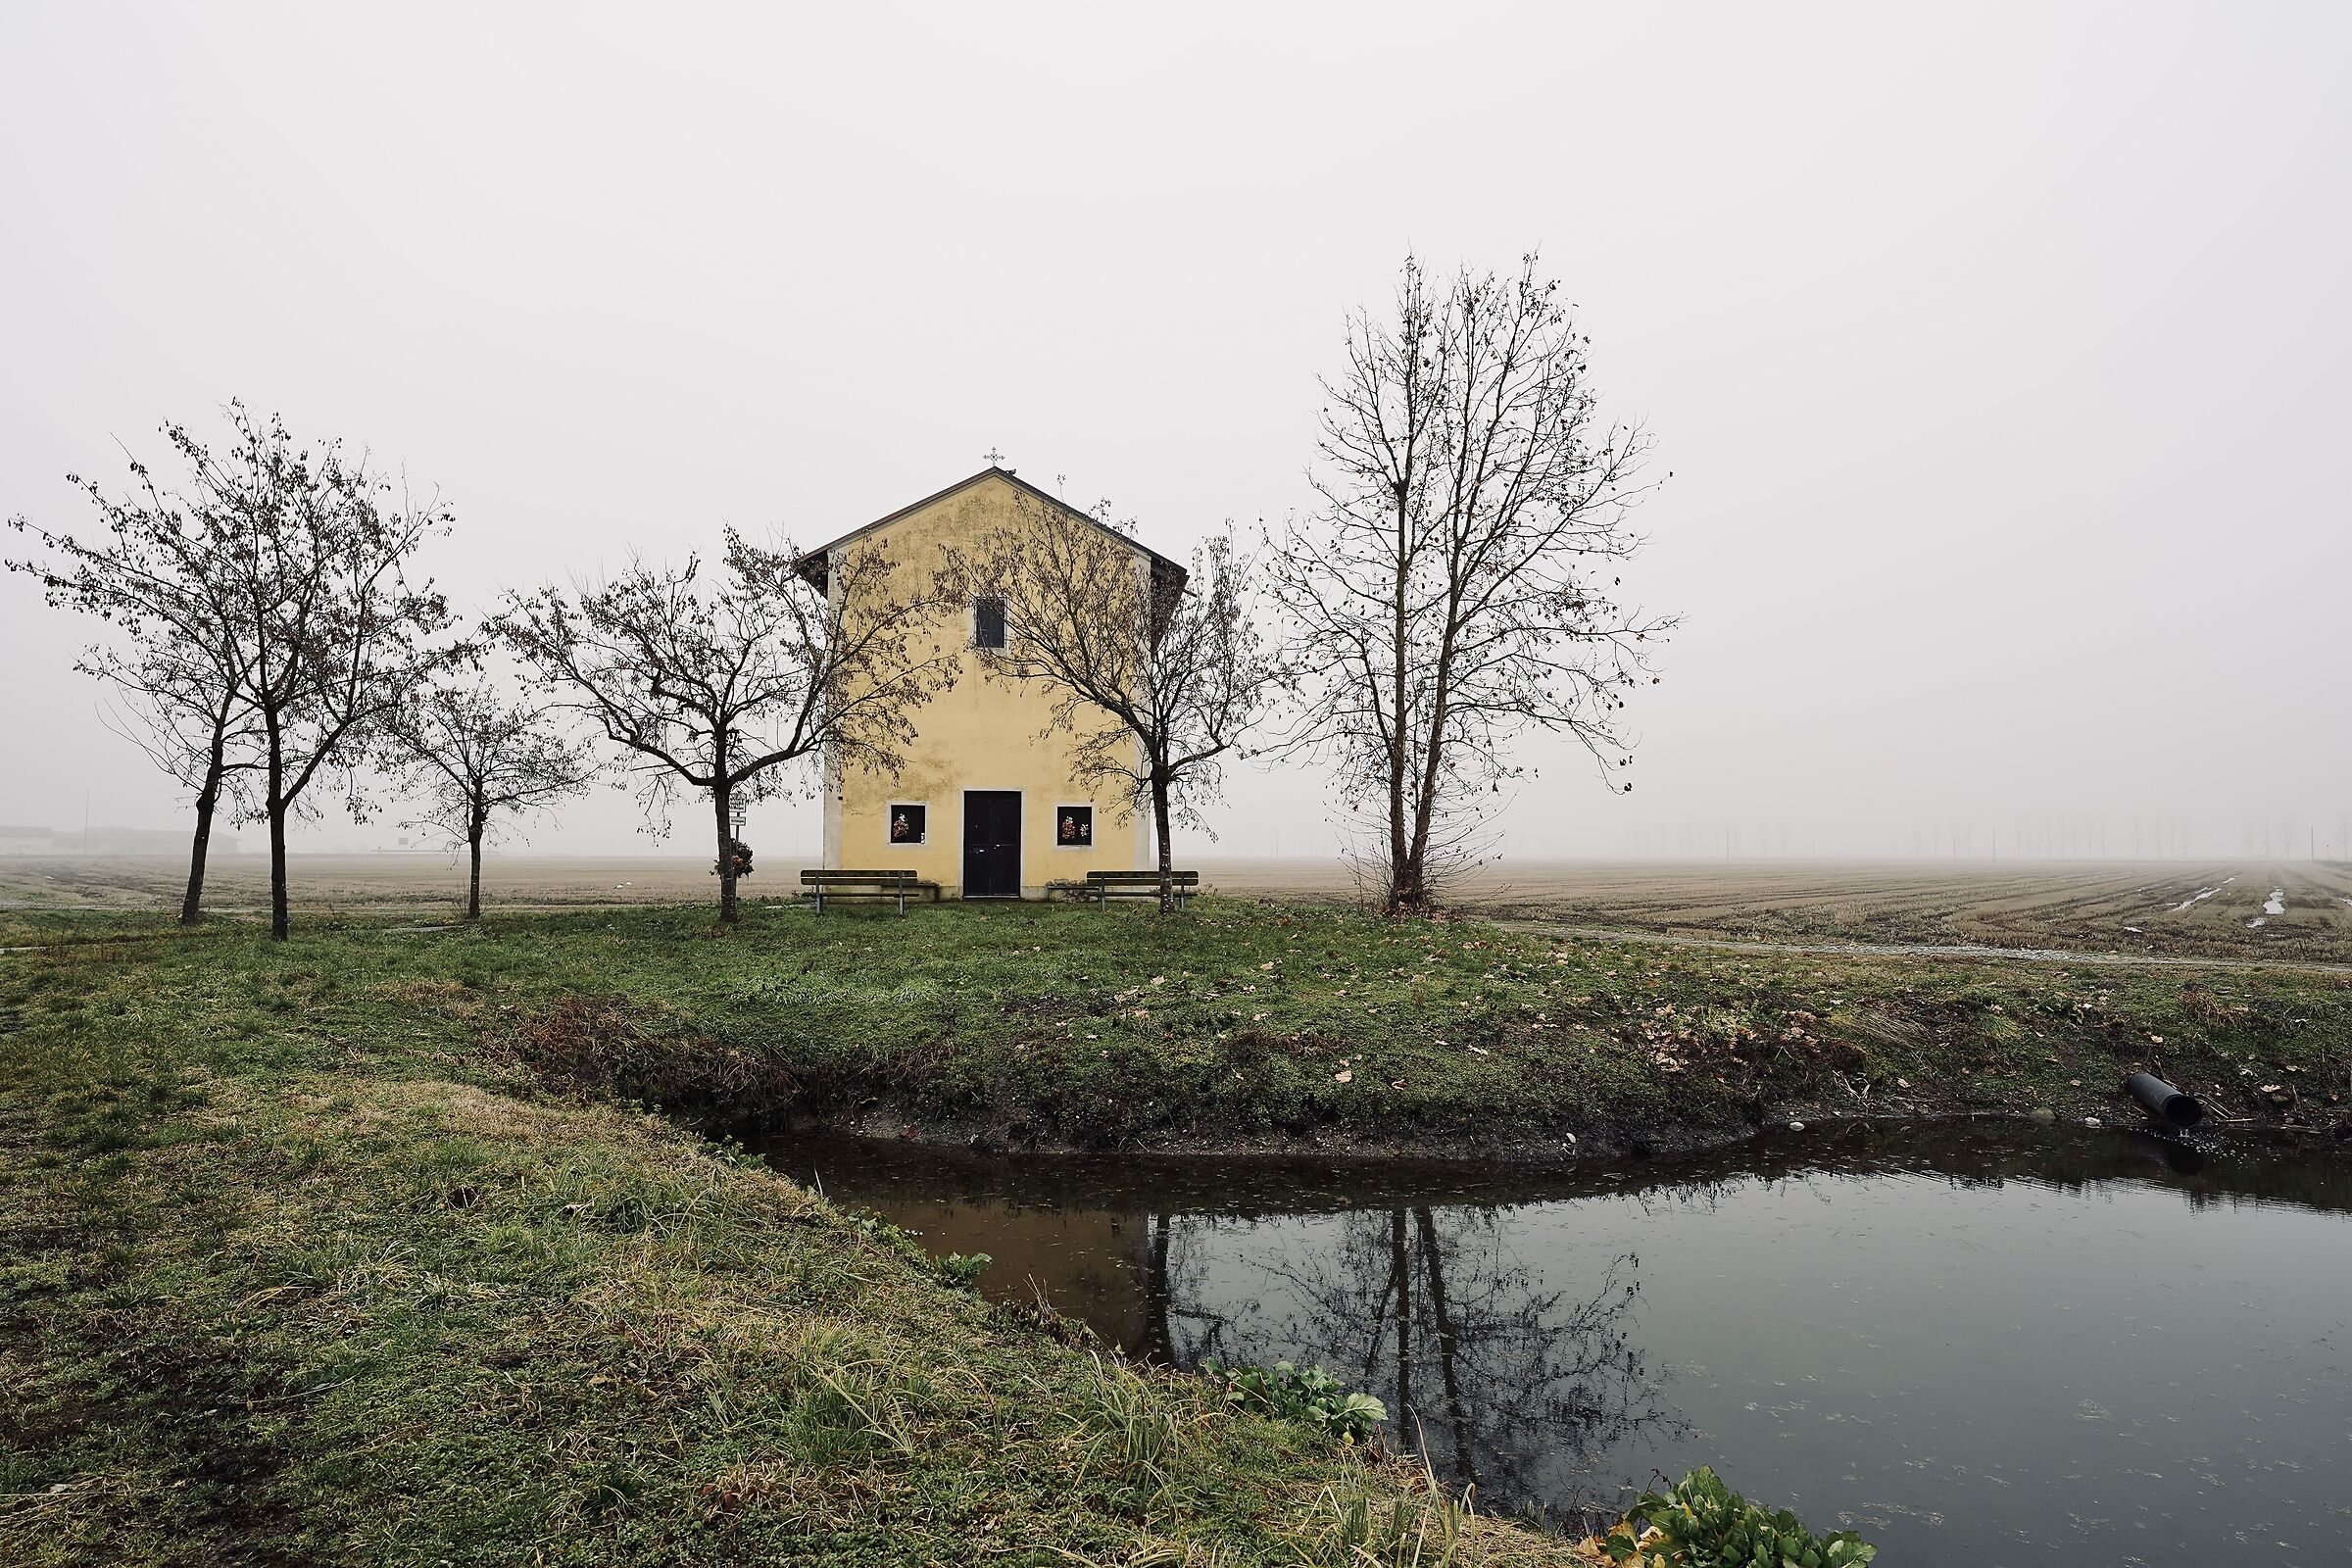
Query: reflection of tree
x=1498 y=1379
x=1179 y=1327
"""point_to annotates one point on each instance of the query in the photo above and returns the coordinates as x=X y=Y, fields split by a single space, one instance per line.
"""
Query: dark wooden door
x=992 y=843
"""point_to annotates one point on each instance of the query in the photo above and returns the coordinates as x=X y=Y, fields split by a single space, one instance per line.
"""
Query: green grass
x=1240 y=1023
x=317 y=1252
x=297 y=1264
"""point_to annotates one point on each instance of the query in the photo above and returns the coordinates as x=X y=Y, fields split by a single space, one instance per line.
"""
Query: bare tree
x=474 y=754
x=1154 y=676
x=717 y=689
x=313 y=554
x=1456 y=585
x=174 y=572
x=152 y=577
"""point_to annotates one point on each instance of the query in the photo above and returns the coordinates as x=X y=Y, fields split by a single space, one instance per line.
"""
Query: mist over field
x=1251 y=784
x=1995 y=353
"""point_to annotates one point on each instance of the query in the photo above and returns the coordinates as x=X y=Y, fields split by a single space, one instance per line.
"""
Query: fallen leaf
x=1347 y=1077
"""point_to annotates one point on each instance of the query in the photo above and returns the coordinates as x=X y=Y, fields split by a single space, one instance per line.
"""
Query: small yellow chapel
x=989 y=805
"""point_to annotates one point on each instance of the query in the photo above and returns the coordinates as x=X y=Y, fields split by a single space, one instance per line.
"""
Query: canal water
x=1977 y=1346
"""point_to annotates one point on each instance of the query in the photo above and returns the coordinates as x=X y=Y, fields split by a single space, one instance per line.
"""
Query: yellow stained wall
x=982 y=735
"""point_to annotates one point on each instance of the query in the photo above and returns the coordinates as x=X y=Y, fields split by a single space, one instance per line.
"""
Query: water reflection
x=1502 y=1378
x=1979 y=1345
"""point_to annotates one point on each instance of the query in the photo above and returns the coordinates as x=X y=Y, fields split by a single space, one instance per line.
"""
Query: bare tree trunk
x=208 y=800
x=1159 y=1336
x=721 y=799
x=1403 y=877
x=1411 y=886
x=191 y=904
x=1432 y=1262
x=1401 y=1267
x=474 y=885
x=277 y=871
x=1159 y=824
x=278 y=834
x=1426 y=804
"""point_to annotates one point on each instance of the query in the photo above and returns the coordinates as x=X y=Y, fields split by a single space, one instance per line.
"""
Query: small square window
x=1074 y=827
x=907 y=823
x=988 y=623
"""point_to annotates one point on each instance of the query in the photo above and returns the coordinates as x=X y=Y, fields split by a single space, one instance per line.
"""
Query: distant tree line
x=273 y=646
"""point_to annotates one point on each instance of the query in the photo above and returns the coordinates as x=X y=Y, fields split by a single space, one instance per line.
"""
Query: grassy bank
x=1240 y=1023
x=312 y=1252
x=292 y=1272
x=1246 y=1024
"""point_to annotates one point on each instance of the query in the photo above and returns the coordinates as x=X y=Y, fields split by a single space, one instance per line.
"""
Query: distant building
x=989 y=805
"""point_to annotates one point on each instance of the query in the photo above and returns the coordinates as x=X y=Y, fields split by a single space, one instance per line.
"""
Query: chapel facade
x=989 y=805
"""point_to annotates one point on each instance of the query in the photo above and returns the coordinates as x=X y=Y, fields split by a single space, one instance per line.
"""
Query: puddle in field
x=2201 y=895
x=2014 y=1347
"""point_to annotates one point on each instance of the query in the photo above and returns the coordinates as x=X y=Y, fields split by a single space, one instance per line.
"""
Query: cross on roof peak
x=996 y=459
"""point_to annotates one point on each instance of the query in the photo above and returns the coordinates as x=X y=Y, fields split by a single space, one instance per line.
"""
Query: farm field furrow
x=2207 y=909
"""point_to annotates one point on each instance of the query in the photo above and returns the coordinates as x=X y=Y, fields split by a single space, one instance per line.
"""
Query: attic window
x=988 y=623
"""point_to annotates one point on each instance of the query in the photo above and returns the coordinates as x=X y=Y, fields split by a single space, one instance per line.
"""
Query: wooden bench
x=1101 y=885
x=892 y=884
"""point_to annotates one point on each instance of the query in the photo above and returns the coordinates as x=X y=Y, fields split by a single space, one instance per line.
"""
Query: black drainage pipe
x=2163 y=1101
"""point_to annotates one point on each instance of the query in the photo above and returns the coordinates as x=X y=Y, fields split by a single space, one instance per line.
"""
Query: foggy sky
x=1999 y=353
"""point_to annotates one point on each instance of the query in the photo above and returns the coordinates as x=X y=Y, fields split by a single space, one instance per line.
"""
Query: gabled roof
x=1167 y=576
